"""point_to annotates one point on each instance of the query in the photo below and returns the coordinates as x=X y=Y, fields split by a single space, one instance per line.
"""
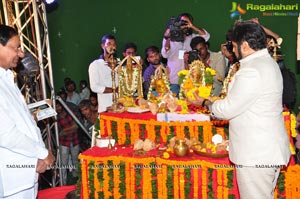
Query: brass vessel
x=181 y=148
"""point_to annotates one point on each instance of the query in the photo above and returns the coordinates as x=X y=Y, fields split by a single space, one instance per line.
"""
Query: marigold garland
x=154 y=179
x=163 y=184
x=106 y=181
x=91 y=179
x=219 y=184
x=287 y=183
x=84 y=175
x=169 y=182
x=196 y=183
x=128 y=130
x=122 y=185
x=116 y=179
x=176 y=184
x=187 y=182
x=96 y=181
x=204 y=182
x=181 y=183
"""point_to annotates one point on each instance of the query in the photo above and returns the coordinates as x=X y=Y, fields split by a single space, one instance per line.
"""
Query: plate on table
x=137 y=110
x=212 y=155
x=196 y=149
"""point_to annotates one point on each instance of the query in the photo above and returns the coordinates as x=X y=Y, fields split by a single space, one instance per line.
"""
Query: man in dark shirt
x=153 y=57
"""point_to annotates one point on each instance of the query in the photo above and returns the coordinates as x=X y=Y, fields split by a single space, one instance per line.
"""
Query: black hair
x=107 y=36
x=151 y=49
x=197 y=40
x=130 y=45
x=93 y=94
x=188 y=15
x=84 y=103
x=83 y=82
x=250 y=32
x=6 y=33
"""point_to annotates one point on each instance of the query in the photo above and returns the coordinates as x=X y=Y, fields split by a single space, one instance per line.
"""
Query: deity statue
x=160 y=82
x=130 y=80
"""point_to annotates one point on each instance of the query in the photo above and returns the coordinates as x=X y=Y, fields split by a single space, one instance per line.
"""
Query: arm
x=268 y=31
x=96 y=78
x=244 y=92
x=15 y=140
x=166 y=46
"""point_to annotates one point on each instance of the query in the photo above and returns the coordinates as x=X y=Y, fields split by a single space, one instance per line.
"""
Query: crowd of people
x=254 y=100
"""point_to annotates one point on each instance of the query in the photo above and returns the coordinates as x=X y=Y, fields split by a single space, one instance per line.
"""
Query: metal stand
x=112 y=62
x=29 y=17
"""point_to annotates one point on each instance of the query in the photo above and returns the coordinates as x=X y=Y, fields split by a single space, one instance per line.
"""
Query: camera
x=229 y=46
x=193 y=55
x=176 y=32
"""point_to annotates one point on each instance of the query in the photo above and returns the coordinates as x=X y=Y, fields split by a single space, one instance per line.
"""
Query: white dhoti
x=30 y=193
x=258 y=183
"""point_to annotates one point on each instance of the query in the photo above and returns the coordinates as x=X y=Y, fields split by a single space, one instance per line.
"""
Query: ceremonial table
x=122 y=173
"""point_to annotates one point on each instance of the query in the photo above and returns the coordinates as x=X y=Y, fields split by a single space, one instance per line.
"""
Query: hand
x=42 y=164
x=167 y=32
x=255 y=20
x=49 y=160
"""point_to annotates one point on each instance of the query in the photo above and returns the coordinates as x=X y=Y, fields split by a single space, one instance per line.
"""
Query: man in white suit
x=23 y=153
x=258 y=141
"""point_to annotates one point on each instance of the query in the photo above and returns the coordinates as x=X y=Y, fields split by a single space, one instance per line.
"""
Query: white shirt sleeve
x=96 y=82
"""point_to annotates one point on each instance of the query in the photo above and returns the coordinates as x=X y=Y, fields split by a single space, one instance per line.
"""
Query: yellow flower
x=190 y=93
x=211 y=71
x=183 y=72
x=182 y=102
x=204 y=91
x=166 y=155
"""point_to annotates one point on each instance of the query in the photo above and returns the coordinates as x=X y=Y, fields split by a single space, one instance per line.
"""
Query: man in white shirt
x=23 y=153
x=174 y=50
x=258 y=141
x=100 y=73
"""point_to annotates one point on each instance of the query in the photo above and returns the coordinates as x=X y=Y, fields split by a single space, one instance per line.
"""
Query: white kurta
x=21 y=142
x=257 y=133
x=100 y=77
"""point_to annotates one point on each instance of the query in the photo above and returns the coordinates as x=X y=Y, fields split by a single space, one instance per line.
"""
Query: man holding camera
x=213 y=60
x=177 y=39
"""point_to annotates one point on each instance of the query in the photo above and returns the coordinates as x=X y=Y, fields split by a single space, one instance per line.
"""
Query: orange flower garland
x=116 y=179
x=175 y=183
x=181 y=182
x=204 y=182
x=225 y=193
x=128 y=179
x=84 y=168
x=291 y=175
x=105 y=121
x=147 y=191
x=196 y=183
x=96 y=180
x=162 y=184
x=219 y=184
